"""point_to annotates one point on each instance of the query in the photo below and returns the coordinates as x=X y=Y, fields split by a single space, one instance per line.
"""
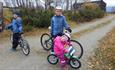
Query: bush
x=87 y=12
x=40 y=18
x=91 y=11
x=99 y=13
x=89 y=6
x=37 y=18
x=28 y=28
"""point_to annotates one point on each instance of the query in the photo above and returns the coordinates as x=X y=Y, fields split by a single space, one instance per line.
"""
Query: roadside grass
x=40 y=31
x=73 y=24
x=104 y=58
x=34 y=32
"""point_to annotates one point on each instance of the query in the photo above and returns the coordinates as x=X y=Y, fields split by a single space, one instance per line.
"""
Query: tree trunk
x=1 y=17
x=18 y=4
x=67 y=4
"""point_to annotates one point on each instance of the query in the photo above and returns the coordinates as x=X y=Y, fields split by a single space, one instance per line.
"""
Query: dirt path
x=93 y=23
x=37 y=59
x=90 y=42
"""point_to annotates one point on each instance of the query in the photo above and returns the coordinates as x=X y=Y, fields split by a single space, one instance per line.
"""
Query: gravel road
x=37 y=59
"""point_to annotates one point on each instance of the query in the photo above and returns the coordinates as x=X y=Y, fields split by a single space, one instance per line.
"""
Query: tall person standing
x=58 y=24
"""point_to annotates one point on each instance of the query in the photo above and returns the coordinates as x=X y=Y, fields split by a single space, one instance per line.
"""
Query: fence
x=1 y=16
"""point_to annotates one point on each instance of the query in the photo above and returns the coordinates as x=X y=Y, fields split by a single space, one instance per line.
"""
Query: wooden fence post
x=1 y=16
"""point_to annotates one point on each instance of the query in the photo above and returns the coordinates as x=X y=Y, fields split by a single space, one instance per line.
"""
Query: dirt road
x=37 y=59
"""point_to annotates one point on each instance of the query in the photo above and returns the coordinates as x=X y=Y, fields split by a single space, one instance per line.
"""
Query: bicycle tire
x=79 y=55
x=45 y=44
x=54 y=56
x=72 y=63
x=25 y=46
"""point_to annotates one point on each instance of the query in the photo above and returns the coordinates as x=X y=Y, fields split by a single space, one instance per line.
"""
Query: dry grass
x=37 y=32
x=104 y=58
x=73 y=24
x=40 y=31
x=34 y=32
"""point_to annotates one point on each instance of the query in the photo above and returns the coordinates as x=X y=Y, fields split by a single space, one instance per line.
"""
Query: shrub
x=36 y=18
x=87 y=12
x=90 y=11
x=41 y=18
x=28 y=28
x=89 y=6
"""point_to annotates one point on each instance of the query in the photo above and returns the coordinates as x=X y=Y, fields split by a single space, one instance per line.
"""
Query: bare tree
x=7 y=2
x=85 y=0
x=71 y=4
x=57 y=2
x=1 y=16
x=37 y=3
x=48 y=3
x=18 y=4
x=27 y=3
x=67 y=4
x=14 y=3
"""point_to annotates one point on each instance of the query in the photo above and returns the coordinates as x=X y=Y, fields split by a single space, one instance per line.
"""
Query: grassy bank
x=104 y=58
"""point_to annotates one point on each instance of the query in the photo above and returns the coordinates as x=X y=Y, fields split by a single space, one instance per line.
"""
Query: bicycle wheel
x=25 y=47
x=78 y=47
x=75 y=63
x=46 y=41
x=52 y=59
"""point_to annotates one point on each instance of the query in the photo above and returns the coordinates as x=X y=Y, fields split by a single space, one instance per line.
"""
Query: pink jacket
x=59 y=46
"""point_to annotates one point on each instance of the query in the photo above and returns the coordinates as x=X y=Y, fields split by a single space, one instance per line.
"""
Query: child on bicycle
x=16 y=27
x=58 y=23
x=60 y=44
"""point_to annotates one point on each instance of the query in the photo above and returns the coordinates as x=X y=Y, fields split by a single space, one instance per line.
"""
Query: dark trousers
x=16 y=37
x=0 y=30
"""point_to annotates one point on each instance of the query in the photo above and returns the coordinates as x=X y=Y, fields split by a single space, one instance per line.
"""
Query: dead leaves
x=104 y=58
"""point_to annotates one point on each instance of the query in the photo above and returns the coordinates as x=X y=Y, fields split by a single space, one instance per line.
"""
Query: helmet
x=59 y=7
x=67 y=33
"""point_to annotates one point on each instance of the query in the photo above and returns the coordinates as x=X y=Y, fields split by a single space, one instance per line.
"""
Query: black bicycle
x=47 y=42
x=23 y=44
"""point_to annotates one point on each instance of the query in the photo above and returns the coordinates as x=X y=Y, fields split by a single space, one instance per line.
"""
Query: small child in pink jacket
x=60 y=42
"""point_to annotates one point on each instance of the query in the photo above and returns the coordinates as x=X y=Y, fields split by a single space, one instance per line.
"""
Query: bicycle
x=73 y=61
x=23 y=44
x=47 y=42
